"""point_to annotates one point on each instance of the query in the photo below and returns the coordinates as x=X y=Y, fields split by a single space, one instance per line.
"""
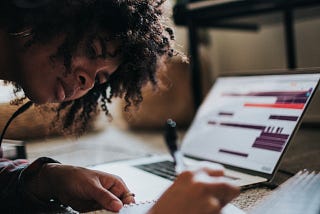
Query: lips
x=64 y=91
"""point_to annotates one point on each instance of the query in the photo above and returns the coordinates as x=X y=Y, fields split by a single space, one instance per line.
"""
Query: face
x=45 y=80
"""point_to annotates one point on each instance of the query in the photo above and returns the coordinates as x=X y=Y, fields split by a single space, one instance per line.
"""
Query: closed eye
x=95 y=49
x=91 y=52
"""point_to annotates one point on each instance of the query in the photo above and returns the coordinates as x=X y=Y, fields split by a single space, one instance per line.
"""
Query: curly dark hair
x=145 y=43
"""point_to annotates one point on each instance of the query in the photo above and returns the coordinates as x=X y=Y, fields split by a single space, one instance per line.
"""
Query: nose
x=85 y=81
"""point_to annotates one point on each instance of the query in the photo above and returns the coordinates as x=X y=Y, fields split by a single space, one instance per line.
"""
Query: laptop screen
x=247 y=121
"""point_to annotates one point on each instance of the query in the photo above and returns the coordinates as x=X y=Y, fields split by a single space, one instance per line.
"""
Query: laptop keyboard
x=166 y=169
x=163 y=169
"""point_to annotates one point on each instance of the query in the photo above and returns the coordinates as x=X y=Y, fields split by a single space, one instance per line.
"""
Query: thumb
x=107 y=200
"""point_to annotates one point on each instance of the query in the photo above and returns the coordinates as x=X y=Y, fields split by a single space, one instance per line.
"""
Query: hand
x=196 y=192
x=80 y=188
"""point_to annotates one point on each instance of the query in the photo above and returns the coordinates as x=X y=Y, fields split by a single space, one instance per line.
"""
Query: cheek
x=39 y=69
x=40 y=87
x=39 y=78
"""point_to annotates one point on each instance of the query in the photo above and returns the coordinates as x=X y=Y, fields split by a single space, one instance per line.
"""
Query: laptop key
x=163 y=169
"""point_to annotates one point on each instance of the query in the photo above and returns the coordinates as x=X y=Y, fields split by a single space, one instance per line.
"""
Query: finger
x=203 y=172
x=224 y=192
x=127 y=198
x=119 y=189
x=213 y=172
x=107 y=200
x=208 y=176
x=215 y=205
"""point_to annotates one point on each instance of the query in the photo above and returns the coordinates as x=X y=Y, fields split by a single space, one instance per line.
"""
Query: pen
x=171 y=142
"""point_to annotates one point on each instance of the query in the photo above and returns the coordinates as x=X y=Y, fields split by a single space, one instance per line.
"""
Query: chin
x=38 y=99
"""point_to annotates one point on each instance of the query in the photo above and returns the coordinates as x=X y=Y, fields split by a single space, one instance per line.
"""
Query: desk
x=224 y=14
x=113 y=143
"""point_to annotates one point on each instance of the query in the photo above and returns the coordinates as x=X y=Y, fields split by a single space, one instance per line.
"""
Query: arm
x=13 y=194
x=45 y=184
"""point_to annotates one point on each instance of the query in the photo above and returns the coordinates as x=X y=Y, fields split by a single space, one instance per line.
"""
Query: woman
x=73 y=52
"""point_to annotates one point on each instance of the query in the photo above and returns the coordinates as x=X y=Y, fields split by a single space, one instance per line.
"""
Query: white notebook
x=143 y=207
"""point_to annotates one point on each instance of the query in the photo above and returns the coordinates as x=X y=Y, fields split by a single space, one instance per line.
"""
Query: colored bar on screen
x=246 y=126
x=283 y=117
x=273 y=140
x=212 y=122
x=226 y=113
x=276 y=105
x=234 y=153
x=275 y=135
x=266 y=147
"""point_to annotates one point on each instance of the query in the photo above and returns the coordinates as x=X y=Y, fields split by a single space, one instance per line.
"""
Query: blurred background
x=255 y=40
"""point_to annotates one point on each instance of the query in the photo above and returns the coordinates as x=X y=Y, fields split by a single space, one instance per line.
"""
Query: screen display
x=247 y=121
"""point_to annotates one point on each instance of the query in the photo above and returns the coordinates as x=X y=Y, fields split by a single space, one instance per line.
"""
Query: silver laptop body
x=245 y=123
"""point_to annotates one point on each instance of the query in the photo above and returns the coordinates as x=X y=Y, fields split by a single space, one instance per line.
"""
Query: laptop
x=245 y=124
